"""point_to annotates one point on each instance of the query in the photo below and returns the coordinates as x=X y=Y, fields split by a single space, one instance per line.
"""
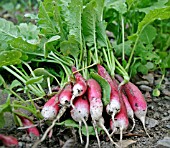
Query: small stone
x=20 y=144
x=168 y=126
x=163 y=143
x=149 y=78
x=166 y=92
x=166 y=118
x=169 y=111
x=142 y=83
x=156 y=115
x=151 y=122
x=145 y=88
x=165 y=113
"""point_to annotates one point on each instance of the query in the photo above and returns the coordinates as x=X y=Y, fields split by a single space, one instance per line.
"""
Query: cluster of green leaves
x=146 y=33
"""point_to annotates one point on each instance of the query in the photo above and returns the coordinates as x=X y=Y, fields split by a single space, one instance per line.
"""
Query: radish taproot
x=114 y=106
x=51 y=108
x=80 y=113
x=96 y=107
x=31 y=129
x=136 y=100
x=8 y=141
x=79 y=87
x=121 y=120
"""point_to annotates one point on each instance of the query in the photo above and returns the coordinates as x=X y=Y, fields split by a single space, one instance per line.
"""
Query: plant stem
x=123 y=38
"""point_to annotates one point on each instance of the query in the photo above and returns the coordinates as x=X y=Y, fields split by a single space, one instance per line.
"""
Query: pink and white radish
x=129 y=109
x=31 y=129
x=80 y=113
x=114 y=106
x=51 y=108
x=79 y=87
x=64 y=98
x=8 y=141
x=96 y=107
x=136 y=100
x=121 y=121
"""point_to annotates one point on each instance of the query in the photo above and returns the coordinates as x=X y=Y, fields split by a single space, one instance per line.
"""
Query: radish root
x=97 y=136
x=81 y=139
x=87 y=133
x=133 y=126
x=143 y=123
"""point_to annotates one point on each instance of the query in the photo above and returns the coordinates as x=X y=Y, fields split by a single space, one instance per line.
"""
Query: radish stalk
x=80 y=113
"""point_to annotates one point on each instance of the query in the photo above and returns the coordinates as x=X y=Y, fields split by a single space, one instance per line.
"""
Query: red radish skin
x=96 y=107
x=136 y=100
x=79 y=87
x=129 y=109
x=26 y=123
x=8 y=141
x=130 y=112
x=121 y=120
x=114 y=106
x=80 y=113
x=51 y=108
x=65 y=95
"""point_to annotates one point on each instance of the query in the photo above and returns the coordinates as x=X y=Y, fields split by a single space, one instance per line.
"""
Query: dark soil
x=157 y=123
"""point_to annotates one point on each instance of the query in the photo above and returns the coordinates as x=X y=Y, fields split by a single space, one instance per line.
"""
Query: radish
x=8 y=141
x=79 y=87
x=129 y=109
x=96 y=107
x=51 y=108
x=136 y=100
x=64 y=99
x=80 y=113
x=31 y=128
x=114 y=106
x=120 y=121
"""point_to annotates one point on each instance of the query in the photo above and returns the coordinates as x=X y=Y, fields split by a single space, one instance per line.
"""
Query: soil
x=157 y=124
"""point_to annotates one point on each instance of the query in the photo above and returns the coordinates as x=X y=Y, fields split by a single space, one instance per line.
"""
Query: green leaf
x=70 y=47
x=34 y=80
x=2 y=120
x=148 y=34
x=73 y=20
x=143 y=69
x=29 y=32
x=45 y=73
x=69 y=123
x=161 y=14
x=121 y=7
x=15 y=83
x=130 y=2
x=105 y=87
x=89 y=23
x=11 y=57
x=72 y=123
x=52 y=39
x=19 y=43
x=8 y=30
x=155 y=5
x=46 y=16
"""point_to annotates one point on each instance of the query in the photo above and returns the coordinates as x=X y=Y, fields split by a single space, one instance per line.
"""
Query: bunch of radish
x=84 y=97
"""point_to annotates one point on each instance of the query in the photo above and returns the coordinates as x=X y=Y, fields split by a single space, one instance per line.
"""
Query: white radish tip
x=77 y=89
x=49 y=112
